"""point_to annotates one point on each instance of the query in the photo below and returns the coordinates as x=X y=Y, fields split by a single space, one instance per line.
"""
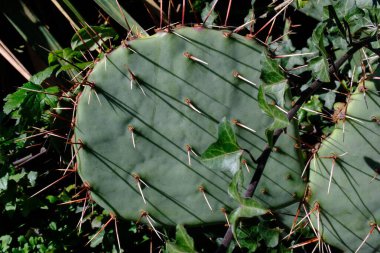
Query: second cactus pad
x=344 y=182
x=160 y=102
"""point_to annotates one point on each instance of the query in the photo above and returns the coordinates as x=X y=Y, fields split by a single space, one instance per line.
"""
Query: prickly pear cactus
x=160 y=102
x=344 y=182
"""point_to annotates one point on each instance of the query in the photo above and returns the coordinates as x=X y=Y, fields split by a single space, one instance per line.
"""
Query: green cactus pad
x=351 y=207
x=183 y=84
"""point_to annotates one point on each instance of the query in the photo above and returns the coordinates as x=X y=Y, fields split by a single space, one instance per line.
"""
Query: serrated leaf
x=270 y=71
x=320 y=68
x=90 y=38
x=14 y=101
x=43 y=75
x=224 y=154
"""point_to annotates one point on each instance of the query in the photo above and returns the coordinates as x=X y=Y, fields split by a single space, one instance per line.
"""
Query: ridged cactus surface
x=349 y=206
x=161 y=100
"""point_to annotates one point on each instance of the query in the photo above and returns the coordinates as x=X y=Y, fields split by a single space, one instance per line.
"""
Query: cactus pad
x=160 y=102
x=349 y=207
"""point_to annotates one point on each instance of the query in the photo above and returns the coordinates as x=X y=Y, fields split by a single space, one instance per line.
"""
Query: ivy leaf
x=271 y=237
x=4 y=182
x=183 y=243
x=248 y=239
x=205 y=12
x=233 y=188
x=314 y=104
x=318 y=37
x=248 y=207
x=270 y=71
x=224 y=154
x=329 y=99
x=250 y=16
x=333 y=15
x=320 y=68
x=91 y=38
x=249 y=210
x=97 y=240
x=280 y=119
x=278 y=91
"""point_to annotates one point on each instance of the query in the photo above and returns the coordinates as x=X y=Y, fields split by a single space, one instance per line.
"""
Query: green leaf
x=320 y=68
x=28 y=103
x=278 y=91
x=97 y=240
x=17 y=177
x=5 y=242
x=313 y=104
x=250 y=16
x=246 y=241
x=32 y=176
x=4 y=182
x=14 y=101
x=233 y=188
x=270 y=71
x=271 y=237
x=183 y=239
x=173 y=248
x=280 y=119
x=89 y=38
x=183 y=242
x=333 y=15
x=318 y=38
x=329 y=99
x=43 y=75
x=112 y=9
x=248 y=209
x=301 y=3
x=224 y=154
x=205 y=12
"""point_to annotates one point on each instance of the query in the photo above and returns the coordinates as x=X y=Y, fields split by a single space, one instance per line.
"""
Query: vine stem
x=305 y=96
